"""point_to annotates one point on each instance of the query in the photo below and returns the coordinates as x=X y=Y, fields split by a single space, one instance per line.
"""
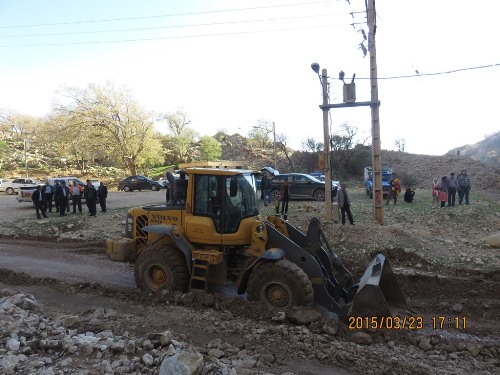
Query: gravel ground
x=442 y=260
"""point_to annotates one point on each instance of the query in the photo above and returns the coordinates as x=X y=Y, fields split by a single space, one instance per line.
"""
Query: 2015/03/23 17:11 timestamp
x=456 y=322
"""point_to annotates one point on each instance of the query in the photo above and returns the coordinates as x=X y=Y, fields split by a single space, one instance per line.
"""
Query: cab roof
x=217 y=171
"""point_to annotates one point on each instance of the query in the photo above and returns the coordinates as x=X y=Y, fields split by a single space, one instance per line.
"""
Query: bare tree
x=259 y=136
x=281 y=145
x=400 y=143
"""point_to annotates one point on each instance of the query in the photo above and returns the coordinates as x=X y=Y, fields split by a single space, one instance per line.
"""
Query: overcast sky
x=229 y=63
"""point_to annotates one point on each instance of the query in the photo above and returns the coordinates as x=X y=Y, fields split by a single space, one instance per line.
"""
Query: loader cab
x=223 y=200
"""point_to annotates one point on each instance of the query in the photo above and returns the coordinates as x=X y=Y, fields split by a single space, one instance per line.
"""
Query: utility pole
x=376 y=149
x=274 y=145
x=326 y=148
x=26 y=146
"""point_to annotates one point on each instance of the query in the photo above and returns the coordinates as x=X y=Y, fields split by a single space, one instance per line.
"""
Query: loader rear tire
x=281 y=284
x=161 y=267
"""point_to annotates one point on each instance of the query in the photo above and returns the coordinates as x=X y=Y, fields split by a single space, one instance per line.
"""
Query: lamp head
x=315 y=67
x=341 y=75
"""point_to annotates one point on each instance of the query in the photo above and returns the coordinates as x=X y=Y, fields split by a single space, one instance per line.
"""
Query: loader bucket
x=378 y=292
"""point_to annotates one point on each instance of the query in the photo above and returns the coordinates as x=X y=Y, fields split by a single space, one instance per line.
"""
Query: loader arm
x=376 y=293
x=338 y=279
x=312 y=267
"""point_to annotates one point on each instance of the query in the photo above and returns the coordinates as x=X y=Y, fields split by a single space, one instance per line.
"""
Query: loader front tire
x=281 y=284
x=161 y=267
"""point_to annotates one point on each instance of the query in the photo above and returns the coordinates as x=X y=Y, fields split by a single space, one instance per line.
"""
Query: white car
x=12 y=186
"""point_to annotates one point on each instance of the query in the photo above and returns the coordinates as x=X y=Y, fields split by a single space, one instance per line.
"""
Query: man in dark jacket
x=48 y=194
x=265 y=186
x=62 y=196
x=463 y=182
x=57 y=186
x=452 y=189
x=37 y=198
x=102 y=194
x=344 y=202
x=90 y=194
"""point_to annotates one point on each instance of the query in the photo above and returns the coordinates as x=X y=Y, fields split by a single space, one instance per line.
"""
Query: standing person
x=443 y=191
x=265 y=186
x=435 y=193
x=452 y=189
x=90 y=194
x=48 y=194
x=443 y=196
x=37 y=198
x=62 y=195
x=463 y=182
x=394 y=188
x=102 y=194
x=444 y=183
x=57 y=187
x=344 y=202
x=76 y=192
x=285 y=198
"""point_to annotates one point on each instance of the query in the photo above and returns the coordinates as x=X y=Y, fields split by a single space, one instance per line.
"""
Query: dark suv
x=132 y=183
x=302 y=186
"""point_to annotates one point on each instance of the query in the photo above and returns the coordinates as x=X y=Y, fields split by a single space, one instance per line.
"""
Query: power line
x=165 y=15
x=169 y=37
x=433 y=74
x=171 y=27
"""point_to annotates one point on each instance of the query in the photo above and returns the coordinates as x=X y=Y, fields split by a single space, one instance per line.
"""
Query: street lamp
x=26 y=148
x=274 y=146
x=326 y=149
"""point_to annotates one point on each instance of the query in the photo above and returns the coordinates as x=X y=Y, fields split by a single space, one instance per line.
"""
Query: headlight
x=129 y=226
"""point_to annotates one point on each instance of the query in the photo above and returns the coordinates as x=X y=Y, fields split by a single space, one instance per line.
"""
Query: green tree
x=182 y=137
x=210 y=148
x=112 y=114
x=4 y=153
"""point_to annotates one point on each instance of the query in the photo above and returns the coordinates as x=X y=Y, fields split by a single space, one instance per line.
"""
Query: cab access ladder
x=202 y=260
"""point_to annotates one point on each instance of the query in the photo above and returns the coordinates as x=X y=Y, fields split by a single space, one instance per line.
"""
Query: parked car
x=12 y=186
x=302 y=186
x=386 y=185
x=321 y=176
x=132 y=183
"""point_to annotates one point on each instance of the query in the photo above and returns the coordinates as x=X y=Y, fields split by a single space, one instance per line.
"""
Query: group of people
x=60 y=195
x=445 y=191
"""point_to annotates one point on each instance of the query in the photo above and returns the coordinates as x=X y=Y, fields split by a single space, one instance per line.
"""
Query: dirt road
x=77 y=279
x=69 y=263
x=72 y=278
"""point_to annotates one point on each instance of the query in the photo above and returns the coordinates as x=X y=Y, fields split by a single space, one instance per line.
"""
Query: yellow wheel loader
x=210 y=231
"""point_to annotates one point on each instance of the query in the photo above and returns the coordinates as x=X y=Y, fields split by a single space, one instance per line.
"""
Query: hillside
x=486 y=151
x=424 y=168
